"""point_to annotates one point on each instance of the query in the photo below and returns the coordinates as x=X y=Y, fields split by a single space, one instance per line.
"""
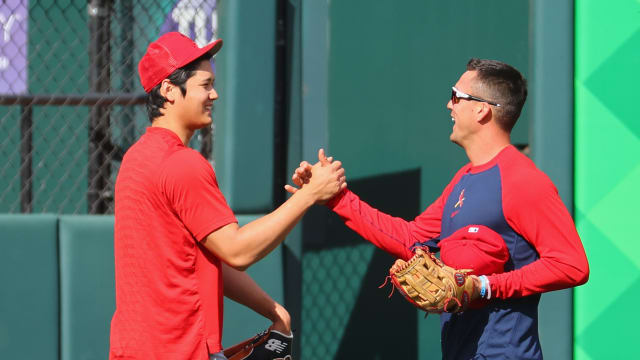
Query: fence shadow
x=369 y=331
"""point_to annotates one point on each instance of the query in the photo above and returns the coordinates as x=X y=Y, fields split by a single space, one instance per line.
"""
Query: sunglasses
x=457 y=95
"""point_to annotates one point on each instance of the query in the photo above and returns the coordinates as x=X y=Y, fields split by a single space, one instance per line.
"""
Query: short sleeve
x=190 y=186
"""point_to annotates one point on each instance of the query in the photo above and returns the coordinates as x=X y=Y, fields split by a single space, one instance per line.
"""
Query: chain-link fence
x=330 y=297
x=345 y=314
x=70 y=99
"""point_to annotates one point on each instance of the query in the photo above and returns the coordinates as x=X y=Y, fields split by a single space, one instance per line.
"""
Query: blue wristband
x=483 y=289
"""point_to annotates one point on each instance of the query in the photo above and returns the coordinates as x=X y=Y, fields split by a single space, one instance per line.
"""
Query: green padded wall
x=607 y=174
x=243 y=120
x=87 y=286
x=29 y=298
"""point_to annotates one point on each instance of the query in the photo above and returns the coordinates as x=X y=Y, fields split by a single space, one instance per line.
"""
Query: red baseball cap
x=171 y=51
x=475 y=247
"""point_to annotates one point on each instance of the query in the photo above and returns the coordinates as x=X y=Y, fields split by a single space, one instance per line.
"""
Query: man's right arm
x=391 y=234
x=240 y=247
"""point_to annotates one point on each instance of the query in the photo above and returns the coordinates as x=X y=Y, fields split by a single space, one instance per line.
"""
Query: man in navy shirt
x=500 y=216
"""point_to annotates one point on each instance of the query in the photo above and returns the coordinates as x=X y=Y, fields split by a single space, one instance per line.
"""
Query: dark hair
x=155 y=100
x=503 y=84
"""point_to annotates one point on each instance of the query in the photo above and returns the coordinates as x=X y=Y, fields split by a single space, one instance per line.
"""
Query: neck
x=484 y=149
x=165 y=122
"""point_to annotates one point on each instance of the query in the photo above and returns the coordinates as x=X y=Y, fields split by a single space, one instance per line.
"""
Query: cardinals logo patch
x=458 y=205
x=460 y=200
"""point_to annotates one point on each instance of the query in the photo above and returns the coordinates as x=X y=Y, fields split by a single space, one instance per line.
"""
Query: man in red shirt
x=178 y=247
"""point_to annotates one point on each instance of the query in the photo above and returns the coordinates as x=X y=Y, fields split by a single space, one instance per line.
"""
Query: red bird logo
x=460 y=199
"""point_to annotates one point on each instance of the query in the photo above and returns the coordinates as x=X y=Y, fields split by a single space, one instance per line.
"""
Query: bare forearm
x=263 y=235
x=241 y=247
x=241 y=288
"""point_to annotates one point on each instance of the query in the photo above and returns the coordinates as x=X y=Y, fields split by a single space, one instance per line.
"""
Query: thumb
x=290 y=189
x=323 y=158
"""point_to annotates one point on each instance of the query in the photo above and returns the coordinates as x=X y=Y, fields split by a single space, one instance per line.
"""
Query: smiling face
x=466 y=114
x=194 y=108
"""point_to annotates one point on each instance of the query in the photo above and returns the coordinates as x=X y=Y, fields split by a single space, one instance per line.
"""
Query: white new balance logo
x=275 y=345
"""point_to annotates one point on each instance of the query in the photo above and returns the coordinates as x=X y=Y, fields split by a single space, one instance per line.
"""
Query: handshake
x=322 y=180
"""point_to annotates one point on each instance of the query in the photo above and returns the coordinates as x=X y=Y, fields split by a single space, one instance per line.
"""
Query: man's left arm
x=538 y=214
x=240 y=287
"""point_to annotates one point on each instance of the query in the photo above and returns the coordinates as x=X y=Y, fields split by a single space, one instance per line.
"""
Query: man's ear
x=483 y=112
x=168 y=90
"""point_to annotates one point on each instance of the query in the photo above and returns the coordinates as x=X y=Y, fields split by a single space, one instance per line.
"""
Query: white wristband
x=485 y=292
x=488 y=288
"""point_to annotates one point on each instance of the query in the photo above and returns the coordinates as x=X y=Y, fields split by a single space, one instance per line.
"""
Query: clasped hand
x=325 y=179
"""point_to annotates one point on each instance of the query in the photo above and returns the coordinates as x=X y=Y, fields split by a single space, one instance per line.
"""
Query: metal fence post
x=26 y=158
x=127 y=71
x=99 y=167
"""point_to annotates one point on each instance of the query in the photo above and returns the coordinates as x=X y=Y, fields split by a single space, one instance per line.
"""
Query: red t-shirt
x=168 y=286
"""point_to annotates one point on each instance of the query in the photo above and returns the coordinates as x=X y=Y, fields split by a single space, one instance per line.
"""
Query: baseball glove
x=267 y=345
x=432 y=286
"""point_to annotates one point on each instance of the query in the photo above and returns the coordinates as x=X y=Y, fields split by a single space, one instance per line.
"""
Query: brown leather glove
x=432 y=286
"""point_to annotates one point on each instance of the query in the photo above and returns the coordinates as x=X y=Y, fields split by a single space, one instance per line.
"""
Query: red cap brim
x=212 y=48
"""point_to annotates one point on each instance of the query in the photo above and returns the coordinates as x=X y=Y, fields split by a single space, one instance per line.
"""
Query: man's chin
x=454 y=140
x=207 y=122
x=202 y=125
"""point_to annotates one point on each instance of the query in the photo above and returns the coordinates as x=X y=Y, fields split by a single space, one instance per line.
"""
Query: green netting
x=331 y=283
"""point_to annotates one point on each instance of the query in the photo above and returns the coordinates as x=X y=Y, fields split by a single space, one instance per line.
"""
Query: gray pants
x=217 y=356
